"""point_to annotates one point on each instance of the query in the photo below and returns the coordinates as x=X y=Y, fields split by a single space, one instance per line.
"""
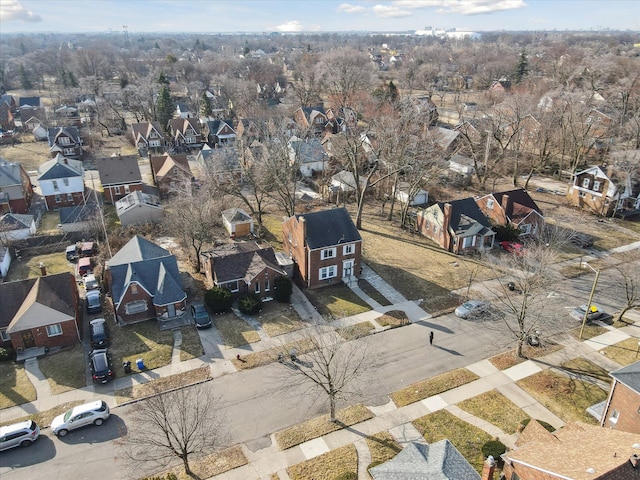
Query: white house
x=419 y=197
x=139 y=208
x=14 y=226
x=61 y=181
x=309 y=153
x=5 y=261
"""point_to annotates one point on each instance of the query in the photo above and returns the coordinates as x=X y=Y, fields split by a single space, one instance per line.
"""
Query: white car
x=93 y=413
x=472 y=308
x=90 y=282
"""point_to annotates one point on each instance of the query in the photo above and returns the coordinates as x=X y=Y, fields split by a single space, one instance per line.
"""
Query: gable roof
x=329 y=227
x=520 y=203
x=60 y=167
x=136 y=250
x=629 y=376
x=216 y=126
x=118 y=169
x=235 y=215
x=466 y=217
x=417 y=461
x=137 y=198
x=29 y=101
x=10 y=174
x=243 y=261
x=180 y=125
x=163 y=164
x=56 y=132
x=16 y=221
x=308 y=150
x=144 y=129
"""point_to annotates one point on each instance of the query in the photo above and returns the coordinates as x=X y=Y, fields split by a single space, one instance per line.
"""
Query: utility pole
x=126 y=35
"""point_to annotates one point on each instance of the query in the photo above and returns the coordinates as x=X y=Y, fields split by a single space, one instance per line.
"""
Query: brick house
x=185 y=132
x=65 y=141
x=40 y=312
x=311 y=119
x=16 y=190
x=576 y=451
x=145 y=283
x=325 y=246
x=119 y=175
x=171 y=173
x=514 y=207
x=148 y=136
x=6 y=117
x=242 y=267
x=458 y=226
x=599 y=192
x=622 y=408
x=62 y=182
x=219 y=132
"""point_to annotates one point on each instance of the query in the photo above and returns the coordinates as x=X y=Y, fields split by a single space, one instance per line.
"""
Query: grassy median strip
x=382 y=447
x=584 y=368
x=496 y=409
x=433 y=386
x=65 y=370
x=163 y=384
x=509 y=359
x=393 y=318
x=214 y=464
x=336 y=464
x=319 y=426
x=234 y=331
x=357 y=330
x=624 y=352
x=264 y=357
x=590 y=331
x=15 y=386
x=467 y=438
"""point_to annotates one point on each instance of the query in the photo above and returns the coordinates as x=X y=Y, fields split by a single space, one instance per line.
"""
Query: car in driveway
x=99 y=336
x=200 y=315
x=21 y=434
x=513 y=247
x=594 y=313
x=472 y=308
x=93 y=301
x=92 y=413
x=100 y=363
x=90 y=282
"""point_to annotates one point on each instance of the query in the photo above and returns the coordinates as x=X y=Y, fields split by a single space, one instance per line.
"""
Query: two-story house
x=325 y=247
x=311 y=119
x=309 y=154
x=599 y=192
x=622 y=408
x=515 y=208
x=65 y=141
x=61 y=181
x=185 y=132
x=148 y=136
x=120 y=175
x=16 y=190
x=219 y=132
x=171 y=173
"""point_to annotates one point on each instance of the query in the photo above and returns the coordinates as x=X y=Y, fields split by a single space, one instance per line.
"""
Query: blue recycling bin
x=140 y=364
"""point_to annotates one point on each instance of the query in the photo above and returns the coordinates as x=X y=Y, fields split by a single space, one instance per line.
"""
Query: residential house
x=40 y=133
x=243 y=267
x=345 y=117
x=250 y=129
x=446 y=139
x=343 y=184
x=171 y=173
x=501 y=86
x=404 y=193
x=622 y=408
x=458 y=226
x=185 y=132
x=325 y=246
x=6 y=118
x=439 y=460
x=309 y=154
x=33 y=102
x=61 y=181
x=30 y=118
x=576 y=451
x=5 y=263
x=600 y=135
x=139 y=208
x=16 y=226
x=120 y=175
x=144 y=282
x=40 y=312
x=221 y=164
x=9 y=100
x=237 y=222
x=80 y=218
x=311 y=119
x=16 y=190
x=461 y=169
x=599 y=192
x=183 y=111
x=219 y=132
x=65 y=141
x=148 y=136
x=67 y=115
x=515 y=208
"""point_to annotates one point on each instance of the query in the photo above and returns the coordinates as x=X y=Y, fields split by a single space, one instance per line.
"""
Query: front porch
x=27 y=353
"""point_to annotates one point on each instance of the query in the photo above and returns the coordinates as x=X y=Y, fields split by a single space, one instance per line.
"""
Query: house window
x=127 y=190
x=525 y=229
x=137 y=306
x=55 y=184
x=134 y=289
x=615 y=415
x=582 y=194
x=257 y=289
x=231 y=286
x=190 y=140
x=328 y=253
x=4 y=336
x=69 y=151
x=117 y=190
x=65 y=181
x=154 y=143
x=348 y=249
x=57 y=198
x=69 y=197
x=467 y=242
x=328 y=272
x=596 y=186
x=490 y=203
x=585 y=183
x=65 y=141
x=54 y=330
x=267 y=284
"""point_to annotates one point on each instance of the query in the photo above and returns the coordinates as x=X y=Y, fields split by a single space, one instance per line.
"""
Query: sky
x=303 y=16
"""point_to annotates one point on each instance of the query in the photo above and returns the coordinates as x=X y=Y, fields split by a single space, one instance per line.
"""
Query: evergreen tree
x=164 y=107
x=392 y=92
x=205 y=105
x=124 y=80
x=71 y=79
x=24 y=79
x=523 y=66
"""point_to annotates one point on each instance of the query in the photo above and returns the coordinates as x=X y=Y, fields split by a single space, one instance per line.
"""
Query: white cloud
x=13 y=10
x=348 y=8
x=463 y=7
x=387 y=11
x=291 y=26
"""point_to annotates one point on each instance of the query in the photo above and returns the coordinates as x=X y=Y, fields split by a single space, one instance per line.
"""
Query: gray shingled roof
x=309 y=150
x=60 y=167
x=79 y=213
x=437 y=461
x=136 y=250
x=466 y=217
x=329 y=227
x=9 y=173
x=118 y=170
x=629 y=376
x=16 y=221
x=242 y=261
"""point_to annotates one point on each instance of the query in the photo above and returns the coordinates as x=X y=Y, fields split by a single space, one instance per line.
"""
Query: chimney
x=635 y=460
x=43 y=269
x=446 y=222
x=505 y=203
x=66 y=161
x=488 y=468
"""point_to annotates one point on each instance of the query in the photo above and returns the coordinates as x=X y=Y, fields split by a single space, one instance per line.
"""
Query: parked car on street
x=94 y=302
x=472 y=308
x=100 y=363
x=93 y=413
x=594 y=313
x=99 y=337
x=21 y=434
x=200 y=315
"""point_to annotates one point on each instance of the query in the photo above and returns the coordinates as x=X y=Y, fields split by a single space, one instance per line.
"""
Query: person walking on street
x=431 y=337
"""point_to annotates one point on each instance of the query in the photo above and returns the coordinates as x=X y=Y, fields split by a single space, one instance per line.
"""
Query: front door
x=347 y=268
x=27 y=339
x=171 y=310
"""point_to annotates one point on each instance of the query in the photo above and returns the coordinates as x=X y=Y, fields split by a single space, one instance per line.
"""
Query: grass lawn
x=211 y=465
x=191 y=346
x=141 y=340
x=15 y=386
x=337 y=301
x=496 y=409
x=29 y=267
x=508 y=359
x=583 y=367
x=279 y=318
x=29 y=153
x=382 y=447
x=590 y=331
x=319 y=426
x=234 y=331
x=341 y=463
x=367 y=288
x=273 y=234
x=567 y=397
x=393 y=318
x=263 y=357
x=358 y=330
x=624 y=352
x=163 y=384
x=433 y=386
x=49 y=223
x=65 y=370
x=464 y=436
x=43 y=419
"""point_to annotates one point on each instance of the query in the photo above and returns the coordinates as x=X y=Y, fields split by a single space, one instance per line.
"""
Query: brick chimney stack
x=446 y=223
x=635 y=460
x=488 y=468
x=43 y=269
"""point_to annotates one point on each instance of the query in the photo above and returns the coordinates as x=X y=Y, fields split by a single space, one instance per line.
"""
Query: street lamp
x=593 y=290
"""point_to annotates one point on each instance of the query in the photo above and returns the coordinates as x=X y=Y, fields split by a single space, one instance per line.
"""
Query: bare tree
x=628 y=284
x=180 y=424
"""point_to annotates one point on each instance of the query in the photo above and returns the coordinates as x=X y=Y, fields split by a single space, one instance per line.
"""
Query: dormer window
x=65 y=141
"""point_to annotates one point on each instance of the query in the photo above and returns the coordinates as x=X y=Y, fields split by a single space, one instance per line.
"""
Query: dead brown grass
x=65 y=370
x=234 y=331
x=163 y=384
x=496 y=409
x=509 y=359
x=358 y=330
x=270 y=355
x=336 y=301
x=382 y=447
x=433 y=386
x=393 y=318
x=15 y=386
x=339 y=463
x=279 y=318
x=625 y=352
x=212 y=464
x=29 y=267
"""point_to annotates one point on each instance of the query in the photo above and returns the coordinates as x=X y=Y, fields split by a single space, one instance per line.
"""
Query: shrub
x=6 y=354
x=495 y=448
x=219 y=300
x=250 y=304
x=282 y=289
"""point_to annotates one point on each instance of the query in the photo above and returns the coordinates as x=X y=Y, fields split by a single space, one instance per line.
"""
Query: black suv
x=100 y=362
x=99 y=337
